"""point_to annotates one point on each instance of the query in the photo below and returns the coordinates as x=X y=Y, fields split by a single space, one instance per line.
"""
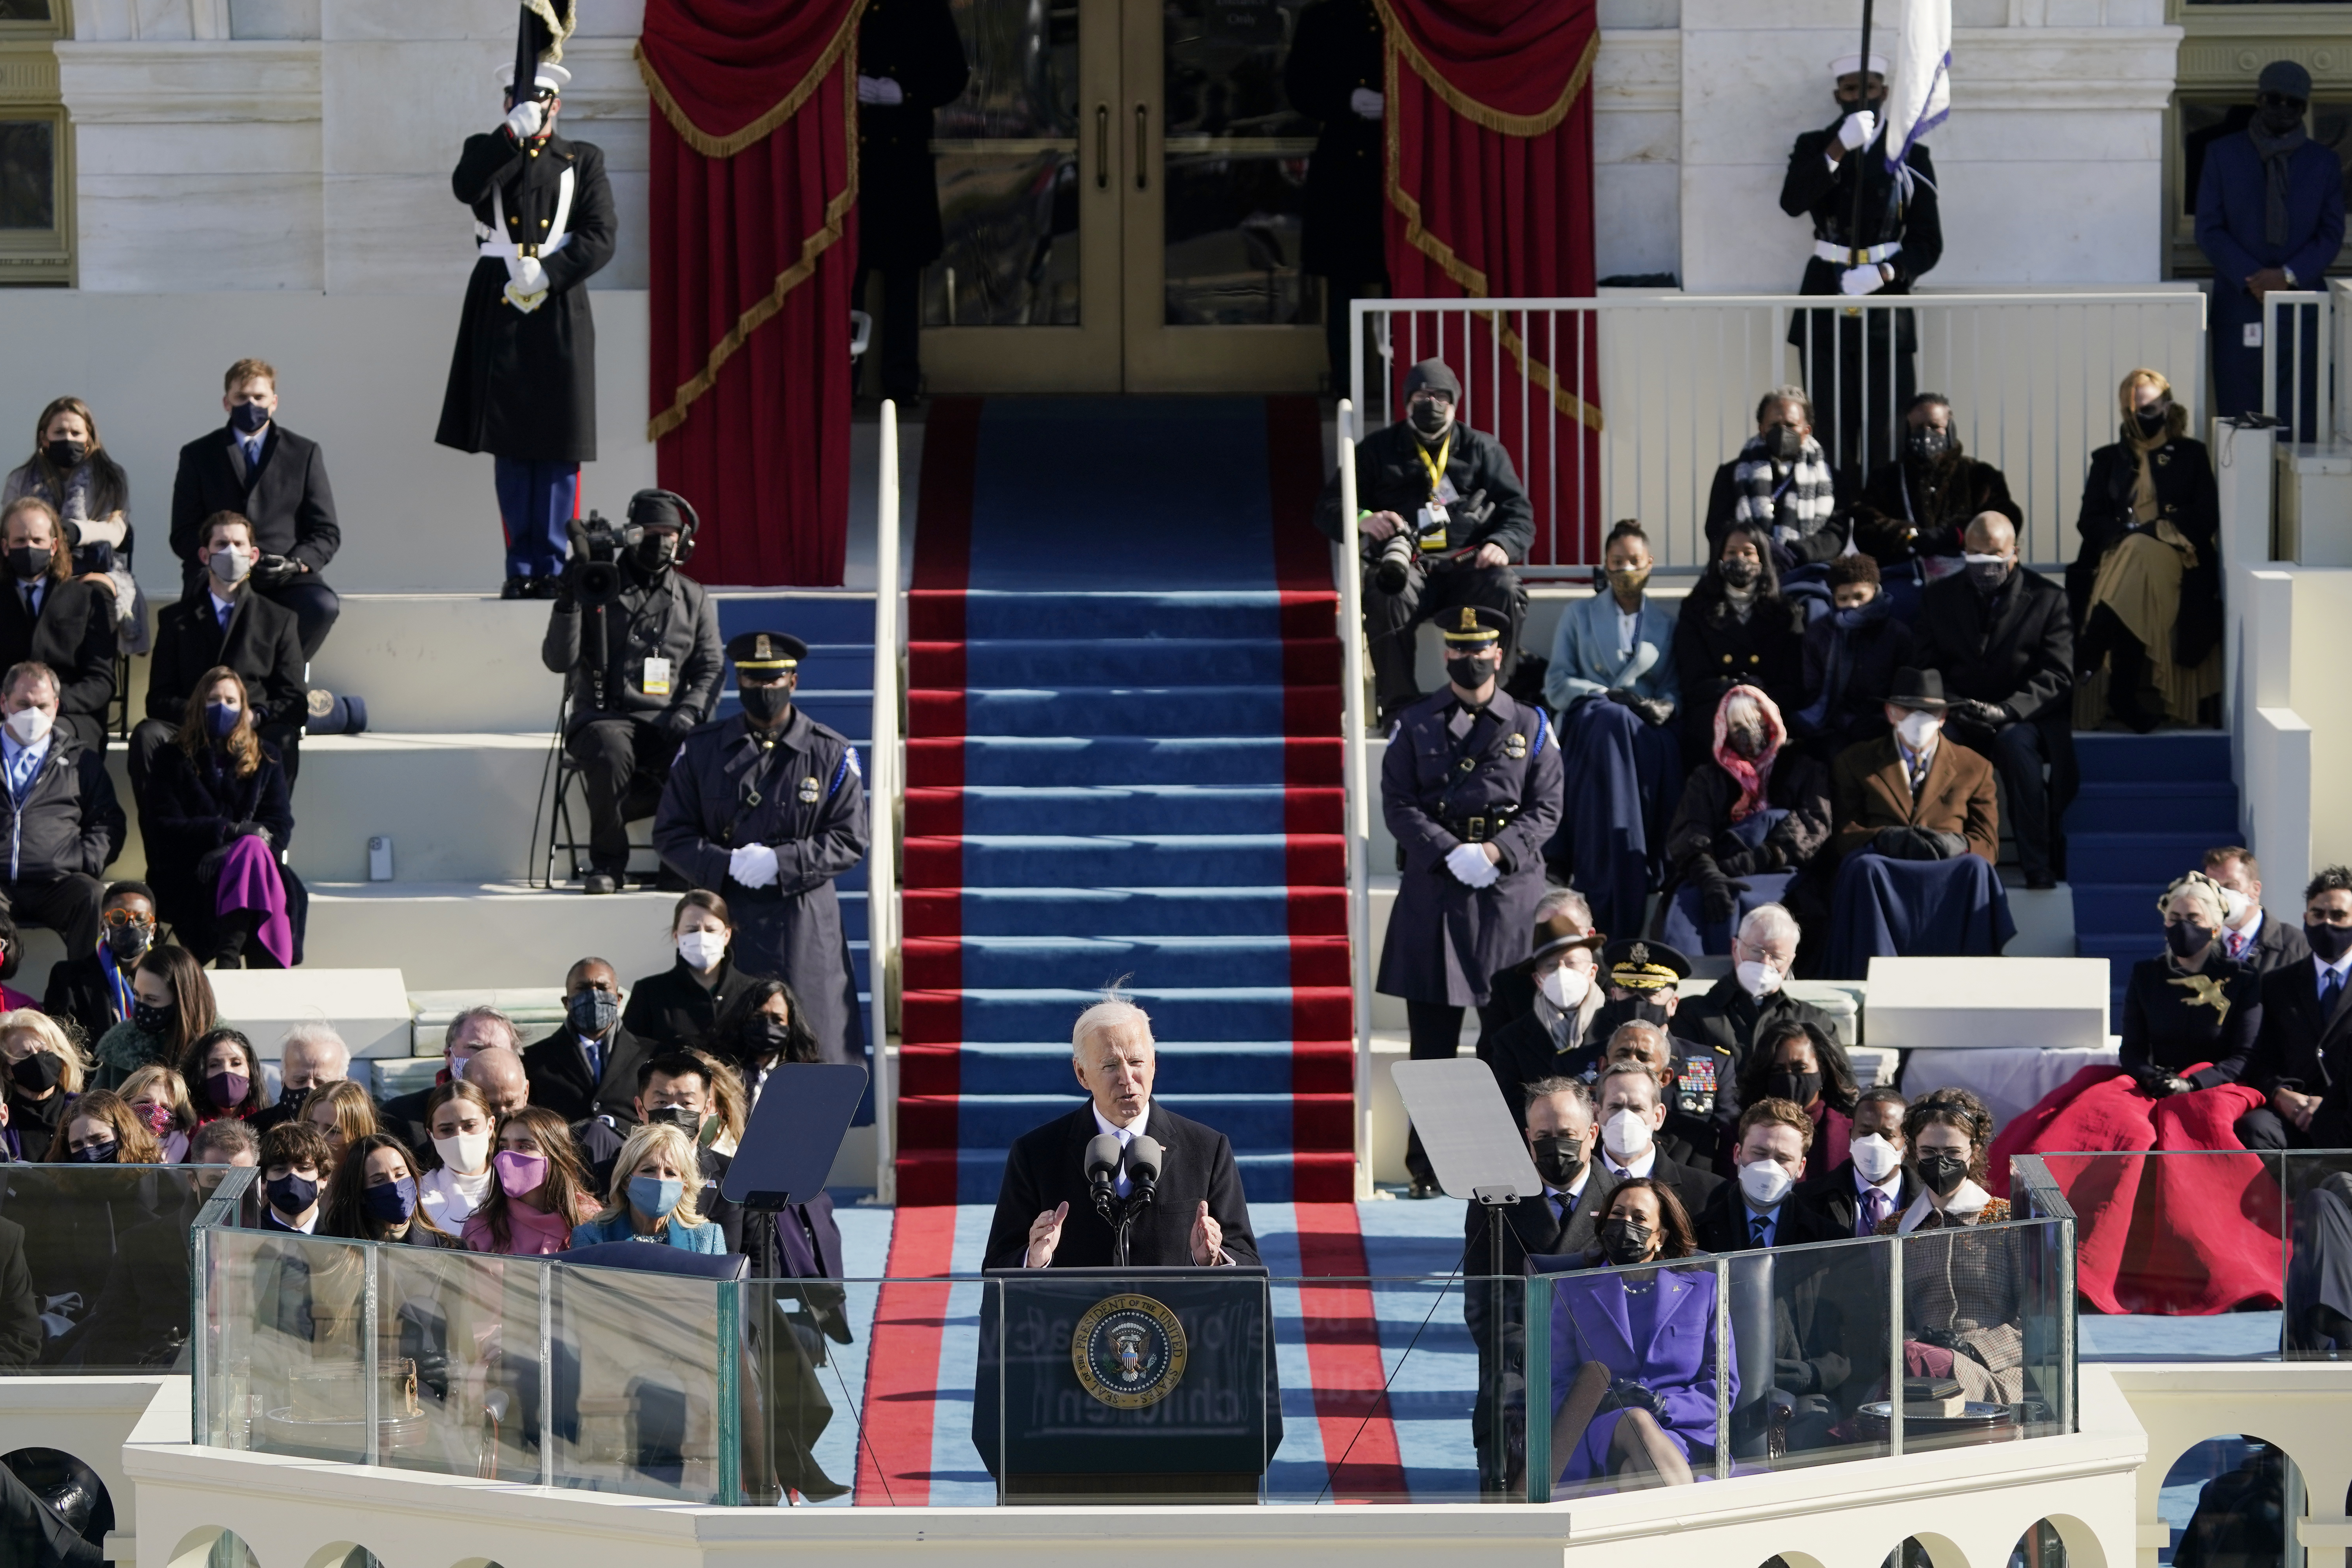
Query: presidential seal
x=1128 y=1352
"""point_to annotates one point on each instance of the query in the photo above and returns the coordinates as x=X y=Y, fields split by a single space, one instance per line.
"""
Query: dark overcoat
x=73 y=635
x=2188 y=497
x=1047 y=1166
x=915 y=43
x=1391 y=477
x=1812 y=189
x=286 y=497
x=1342 y=211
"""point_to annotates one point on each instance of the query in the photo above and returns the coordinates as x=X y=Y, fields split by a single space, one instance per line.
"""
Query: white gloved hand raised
x=754 y=864
x=1470 y=866
x=880 y=89
x=1367 y=103
x=1858 y=130
x=1859 y=280
x=525 y=118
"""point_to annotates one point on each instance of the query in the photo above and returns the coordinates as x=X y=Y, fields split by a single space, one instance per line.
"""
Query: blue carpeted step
x=1204 y=1014
x=1208 y=613
x=2179 y=755
x=1123 y=759
x=1259 y=912
x=1266 y=1178
x=1179 y=860
x=2116 y=908
x=1235 y=1066
x=834 y=617
x=1125 y=661
x=1216 y=710
x=1127 y=810
x=2154 y=806
x=1091 y=962
x=1251 y=1122
x=2134 y=858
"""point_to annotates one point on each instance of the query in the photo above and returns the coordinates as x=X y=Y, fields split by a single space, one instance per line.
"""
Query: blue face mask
x=220 y=719
x=1861 y=615
x=653 y=1197
x=391 y=1202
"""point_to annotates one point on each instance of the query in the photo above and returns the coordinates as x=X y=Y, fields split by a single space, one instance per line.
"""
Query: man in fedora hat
x=1540 y=1043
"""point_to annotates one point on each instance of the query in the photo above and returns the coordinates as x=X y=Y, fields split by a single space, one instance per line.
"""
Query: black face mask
x=1989 y=577
x=2330 y=943
x=1927 y=444
x=1625 y=1240
x=2188 y=939
x=129 y=943
x=1801 y=1087
x=1558 y=1159
x=38 y=1073
x=686 y=1119
x=1739 y=571
x=655 y=552
x=64 y=454
x=1469 y=674
x=1431 y=418
x=1649 y=1010
x=150 y=1019
x=766 y=1040
x=766 y=704
x=2152 y=420
x=592 y=1011
x=1941 y=1174
x=1784 y=443
x=28 y=562
x=292 y=1099
x=2279 y=117
x=1746 y=740
x=94 y=1154
x=248 y=416
x=291 y=1193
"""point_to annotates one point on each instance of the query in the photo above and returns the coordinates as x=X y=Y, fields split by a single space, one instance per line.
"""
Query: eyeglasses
x=2280 y=100
x=123 y=920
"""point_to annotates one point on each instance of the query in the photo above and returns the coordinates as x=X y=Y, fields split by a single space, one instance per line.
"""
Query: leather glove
x=1992 y=715
x=1473 y=512
x=1622 y=695
x=524 y=120
x=882 y=90
x=1905 y=843
x=1655 y=711
x=1942 y=1339
x=1860 y=280
x=1948 y=846
x=1629 y=1395
x=1791 y=1374
x=252 y=830
x=208 y=870
x=1367 y=103
x=675 y=722
x=1718 y=895
x=2166 y=1087
x=1858 y=130
x=274 y=572
x=754 y=865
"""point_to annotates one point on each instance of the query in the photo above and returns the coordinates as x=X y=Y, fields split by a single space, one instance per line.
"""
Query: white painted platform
x=369 y=1007
x=1975 y=1003
x=484 y=939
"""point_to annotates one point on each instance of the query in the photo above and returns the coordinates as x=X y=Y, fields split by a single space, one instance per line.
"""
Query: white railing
x=2300 y=352
x=1623 y=406
x=1359 y=793
x=883 y=791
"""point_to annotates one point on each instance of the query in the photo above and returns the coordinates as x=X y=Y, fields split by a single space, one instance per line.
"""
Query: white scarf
x=1793 y=509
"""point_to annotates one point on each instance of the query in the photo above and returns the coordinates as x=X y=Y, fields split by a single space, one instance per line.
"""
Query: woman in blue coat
x=655 y=1180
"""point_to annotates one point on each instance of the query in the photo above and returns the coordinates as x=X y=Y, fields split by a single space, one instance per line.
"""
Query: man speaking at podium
x=1045 y=1214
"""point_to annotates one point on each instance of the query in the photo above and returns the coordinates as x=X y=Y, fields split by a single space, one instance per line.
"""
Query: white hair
x=1112 y=1012
x=318 y=1036
x=1564 y=901
x=1767 y=922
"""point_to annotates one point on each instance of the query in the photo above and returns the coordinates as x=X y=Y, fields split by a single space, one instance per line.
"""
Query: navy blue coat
x=805 y=796
x=1445 y=939
x=2232 y=196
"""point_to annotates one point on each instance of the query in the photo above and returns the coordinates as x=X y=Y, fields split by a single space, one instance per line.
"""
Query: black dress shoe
x=514 y=588
x=600 y=882
x=540 y=588
x=2041 y=881
x=1422 y=1187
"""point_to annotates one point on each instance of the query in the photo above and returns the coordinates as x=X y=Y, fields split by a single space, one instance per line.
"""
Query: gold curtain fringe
x=558 y=27
x=760 y=129
x=1469 y=107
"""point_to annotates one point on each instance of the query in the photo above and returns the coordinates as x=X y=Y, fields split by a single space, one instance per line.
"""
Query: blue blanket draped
x=1686 y=927
x=1623 y=778
x=1914 y=909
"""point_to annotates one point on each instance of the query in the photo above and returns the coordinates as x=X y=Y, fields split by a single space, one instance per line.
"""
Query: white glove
x=1367 y=103
x=1858 y=280
x=879 y=90
x=754 y=864
x=524 y=302
x=1783 y=534
x=525 y=118
x=1470 y=866
x=527 y=274
x=1858 y=130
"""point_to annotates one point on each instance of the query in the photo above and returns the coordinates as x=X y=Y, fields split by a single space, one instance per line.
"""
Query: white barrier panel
x=2277 y=791
x=1949 y=1004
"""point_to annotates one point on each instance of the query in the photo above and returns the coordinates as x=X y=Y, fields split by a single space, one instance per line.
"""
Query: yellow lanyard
x=1436 y=468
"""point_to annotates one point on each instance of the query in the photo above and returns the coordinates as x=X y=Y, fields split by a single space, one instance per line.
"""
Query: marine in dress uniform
x=522 y=384
x=1901 y=238
x=767 y=808
x=1335 y=73
x=1471 y=791
x=909 y=62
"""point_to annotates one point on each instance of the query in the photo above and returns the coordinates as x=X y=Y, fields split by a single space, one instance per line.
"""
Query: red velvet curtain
x=753 y=208
x=1490 y=196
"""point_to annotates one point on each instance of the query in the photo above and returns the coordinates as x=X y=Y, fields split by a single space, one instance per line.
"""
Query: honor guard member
x=768 y=807
x=909 y=62
x=522 y=384
x=1471 y=791
x=1901 y=239
x=1336 y=73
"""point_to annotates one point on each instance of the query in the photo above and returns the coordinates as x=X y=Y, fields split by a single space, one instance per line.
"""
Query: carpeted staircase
x=2149 y=808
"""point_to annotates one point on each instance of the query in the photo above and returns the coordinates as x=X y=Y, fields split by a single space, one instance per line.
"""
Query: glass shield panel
x=285 y=1316
x=457 y=1340
x=1808 y=1331
x=2316 y=1316
x=1007 y=166
x=635 y=1383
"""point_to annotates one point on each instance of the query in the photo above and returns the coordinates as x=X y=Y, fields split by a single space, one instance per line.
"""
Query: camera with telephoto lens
x=597 y=548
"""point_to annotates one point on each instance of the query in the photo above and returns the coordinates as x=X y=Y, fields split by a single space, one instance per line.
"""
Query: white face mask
x=1918 y=728
x=702 y=948
x=230 y=563
x=2234 y=905
x=29 y=724
x=467 y=1154
x=1765 y=1182
x=1874 y=1157
x=1627 y=1137
x=1566 y=988
x=1758 y=979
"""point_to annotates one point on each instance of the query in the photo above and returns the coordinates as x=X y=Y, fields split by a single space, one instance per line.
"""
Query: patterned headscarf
x=1752 y=776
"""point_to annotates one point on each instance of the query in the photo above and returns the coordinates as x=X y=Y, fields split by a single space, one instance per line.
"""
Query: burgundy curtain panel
x=753 y=237
x=1490 y=196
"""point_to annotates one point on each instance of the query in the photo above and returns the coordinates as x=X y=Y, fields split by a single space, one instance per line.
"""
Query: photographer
x=1443 y=517
x=640 y=644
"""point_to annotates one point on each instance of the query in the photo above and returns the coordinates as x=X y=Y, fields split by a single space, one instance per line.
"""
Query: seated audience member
x=681 y=1090
x=1511 y=994
x=542 y=1191
x=1758 y=1208
x=2146 y=586
x=1478 y=523
x=1687 y=1137
x=460 y=1118
x=1909 y=517
x=171 y=1007
x=62 y=825
x=656 y=1182
x=680 y=1007
x=2248 y=936
x=71 y=469
x=728 y=1108
x=92 y=989
x=1803 y=1064
x=1871 y=1182
x=159 y=1098
x=1851 y=655
x=1917 y=831
x=1735 y=629
x=1561 y=1134
x=101 y=1128
x=407 y=1115
x=1648 y=1412
x=2298 y=1065
x=499 y=1073
x=588 y=1067
x=217 y=819
x=1962 y=1314
x=258 y=468
x=1542 y=1042
x=344 y=1114
x=12 y=961
x=1750 y=819
x=223 y=1143
x=761 y=1031
x=1723 y=1025
x=224 y=1078
x=2190 y=1014
x=1642 y=980
x=1999 y=635
x=46 y=1075
x=220 y=622
x=294 y=1166
x=55 y=618
x=1612 y=682
x=2318 y=1316
x=1632 y=1113
x=310 y=1057
x=375 y=1196
x=1783 y=486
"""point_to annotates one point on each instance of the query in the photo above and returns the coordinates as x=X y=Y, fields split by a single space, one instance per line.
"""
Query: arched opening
x=1792 y=1559
x=2077 y=1544
x=343 y=1555
x=2042 y=1546
x=51 y=1481
x=1927 y=1552
x=212 y=1547
x=2230 y=1499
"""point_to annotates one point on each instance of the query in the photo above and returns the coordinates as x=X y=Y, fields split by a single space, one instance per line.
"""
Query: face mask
x=94 y=1154
x=702 y=948
x=1432 y=418
x=38 y=1073
x=228 y=1090
x=129 y=943
x=1918 y=728
x=1783 y=444
x=1927 y=444
x=462 y=1153
x=765 y=704
x=1649 y=1010
x=767 y=1037
x=1874 y=1157
x=248 y=416
x=653 y=1197
x=1627 y=1137
x=685 y=1118
x=1801 y=1087
x=391 y=1203
x=1764 y=1182
x=30 y=724
x=2188 y=939
x=592 y=1011
x=654 y=551
x=1987 y=571
x=1558 y=1159
x=158 y=1119
x=64 y=454
x=291 y=1193
x=1746 y=740
x=1624 y=1241
x=221 y=718
x=292 y=1099
x=1469 y=674
x=1758 y=979
x=150 y=1019
x=2153 y=417
x=519 y=1172
x=1739 y=571
x=2330 y=943
x=2234 y=905
x=231 y=565
x=1629 y=580
x=2279 y=118
x=1566 y=989
x=28 y=562
x=1942 y=1173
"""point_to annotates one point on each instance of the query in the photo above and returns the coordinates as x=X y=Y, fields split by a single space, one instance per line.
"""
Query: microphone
x=1144 y=1157
x=1102 y=1170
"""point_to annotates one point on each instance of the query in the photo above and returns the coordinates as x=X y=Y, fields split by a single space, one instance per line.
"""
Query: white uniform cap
x=556 y=76
x=1844 y=65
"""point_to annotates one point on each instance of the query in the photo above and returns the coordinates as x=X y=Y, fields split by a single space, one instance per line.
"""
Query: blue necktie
x=252 y=445
x=1762 y=1228
x=21 y=769
x=595 y=1067
x=2331 y=985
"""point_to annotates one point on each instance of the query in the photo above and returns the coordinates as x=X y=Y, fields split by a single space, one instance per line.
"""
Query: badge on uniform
x=657 y=680
x=808 y=791
x=1515 y=747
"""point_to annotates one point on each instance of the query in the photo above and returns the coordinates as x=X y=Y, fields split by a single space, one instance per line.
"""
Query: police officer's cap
x=1432 y=374
x=1473 y=624
x=773 y=652
x=1636 y=966
x=2286 y=79
x=1555 y=935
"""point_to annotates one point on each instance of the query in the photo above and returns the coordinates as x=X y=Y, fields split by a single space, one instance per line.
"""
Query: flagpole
x=1862 y=154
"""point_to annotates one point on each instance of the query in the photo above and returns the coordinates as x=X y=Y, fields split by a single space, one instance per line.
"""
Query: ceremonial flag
x=1919 y=92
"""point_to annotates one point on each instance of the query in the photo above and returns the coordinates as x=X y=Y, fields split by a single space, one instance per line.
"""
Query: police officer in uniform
x=909 y=62
x=1335 y=73
x=768 y=807
x=1901 y=239
x=1471 y=790
x=522 y=384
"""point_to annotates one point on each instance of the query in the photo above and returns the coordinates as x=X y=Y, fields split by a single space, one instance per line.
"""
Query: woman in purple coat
x=1634 y=1351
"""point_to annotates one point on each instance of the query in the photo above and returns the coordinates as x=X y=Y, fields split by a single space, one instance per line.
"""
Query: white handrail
x=2284 y=308
x=882 y=807
x=1358 y=790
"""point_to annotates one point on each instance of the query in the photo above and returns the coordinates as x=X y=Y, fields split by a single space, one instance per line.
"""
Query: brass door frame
x=30 y=91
